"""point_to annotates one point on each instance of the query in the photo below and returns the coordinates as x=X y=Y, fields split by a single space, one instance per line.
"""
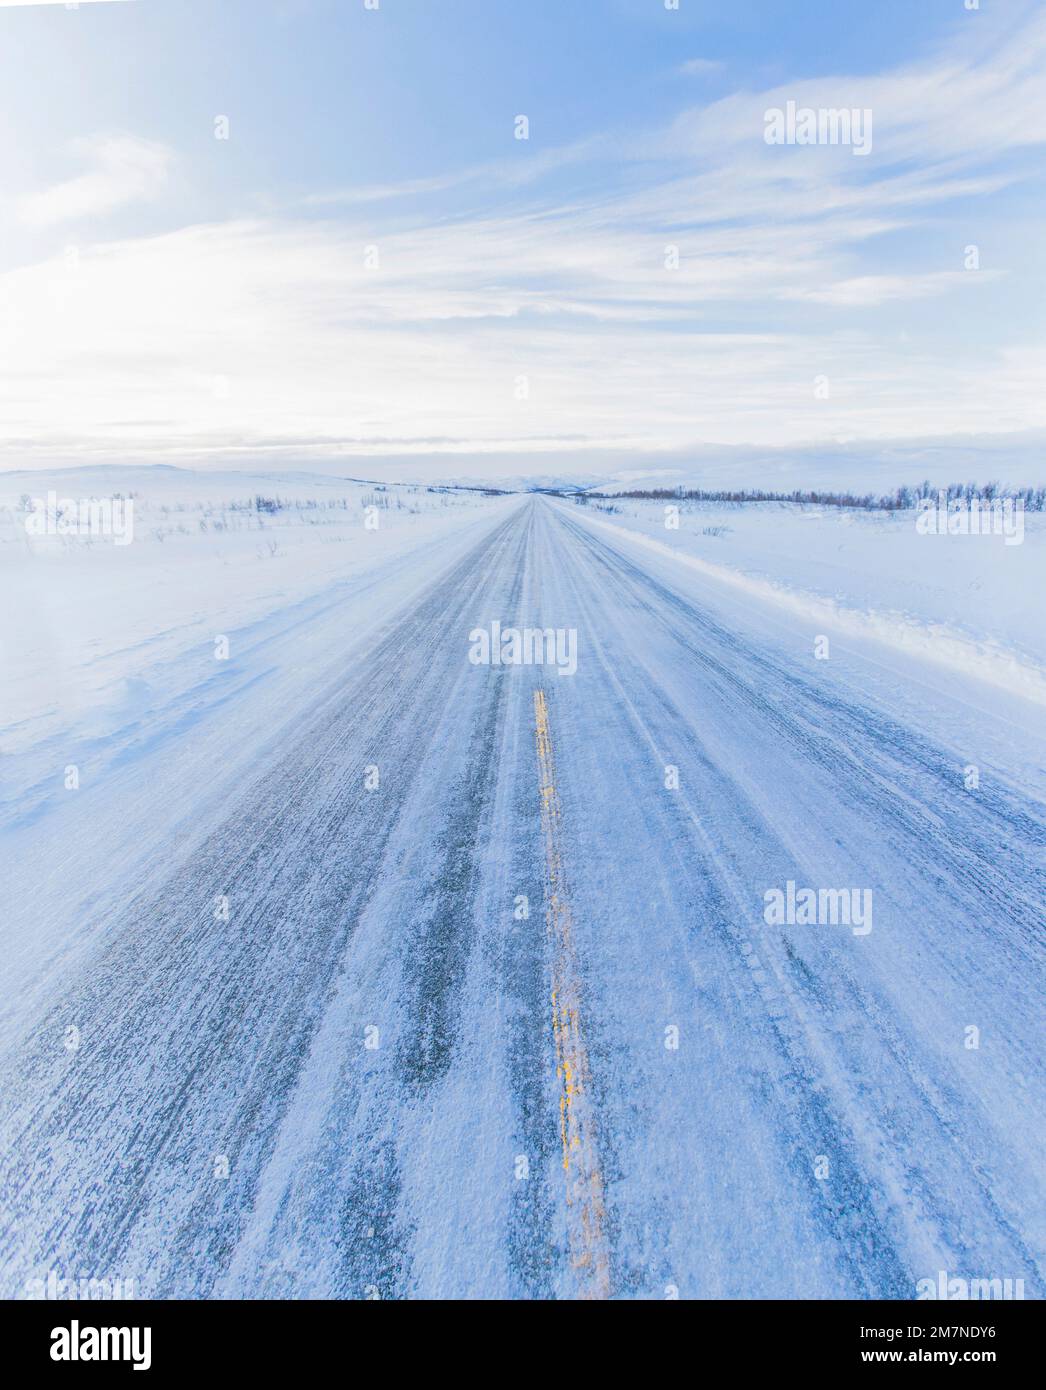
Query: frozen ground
x=95 y=635
x=508 y=1017
x=972 y=603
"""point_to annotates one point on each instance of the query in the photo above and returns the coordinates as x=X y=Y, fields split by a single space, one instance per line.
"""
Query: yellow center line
x=586 y=1213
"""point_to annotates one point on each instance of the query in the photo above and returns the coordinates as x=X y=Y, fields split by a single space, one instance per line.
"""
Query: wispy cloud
x=697 y=297
x=977 y=96
x=699 y=67
x=34 y=4
x=526 y=168
x=120 y=169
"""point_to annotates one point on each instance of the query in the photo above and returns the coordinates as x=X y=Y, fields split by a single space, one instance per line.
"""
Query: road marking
x=586 y=1212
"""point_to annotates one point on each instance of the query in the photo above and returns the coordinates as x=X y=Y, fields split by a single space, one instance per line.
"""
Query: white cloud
x=126 y=350
x=864 y=290
x=120 y=169
x=781 y=277
x=979 y=95
x=698 y=67
x=526 y=167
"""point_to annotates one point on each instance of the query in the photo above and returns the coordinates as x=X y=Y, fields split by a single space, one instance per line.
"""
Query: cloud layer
x=714 y=289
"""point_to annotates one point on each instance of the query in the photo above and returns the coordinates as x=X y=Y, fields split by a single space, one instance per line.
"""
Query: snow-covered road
x=465 y=986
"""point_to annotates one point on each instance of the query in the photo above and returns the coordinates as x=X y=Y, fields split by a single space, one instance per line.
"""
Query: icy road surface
x=495 y=1011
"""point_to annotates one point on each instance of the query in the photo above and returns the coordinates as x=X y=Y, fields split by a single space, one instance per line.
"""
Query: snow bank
x=968 y=603
x=211 y=553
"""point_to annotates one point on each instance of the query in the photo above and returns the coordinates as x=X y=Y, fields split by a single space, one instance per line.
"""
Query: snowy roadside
x=968 y=604
x=101 y=640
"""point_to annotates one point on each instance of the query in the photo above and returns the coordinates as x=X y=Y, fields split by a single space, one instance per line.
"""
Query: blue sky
x=372 y=263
